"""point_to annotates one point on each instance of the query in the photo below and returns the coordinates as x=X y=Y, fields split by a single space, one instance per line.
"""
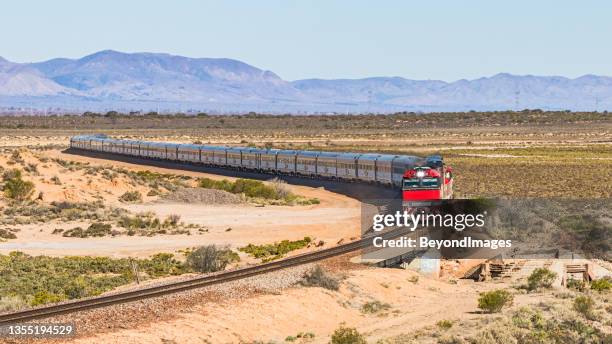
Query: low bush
x=277 y=250
x=585 y=306
x=575 y=284
x=131 y=197
x=11 y=304
x=211 y=258
x=318 y=277
x=444 y=324
x=494 y=301
x=541 y=278
x=601 y=285
x=40 y=279
x=97 y=229
x=15 y=187
x=7 y=234
x=374 y=307
x=347 y=335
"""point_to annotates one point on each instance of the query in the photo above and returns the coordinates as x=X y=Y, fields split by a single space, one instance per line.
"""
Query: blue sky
x=445 y=40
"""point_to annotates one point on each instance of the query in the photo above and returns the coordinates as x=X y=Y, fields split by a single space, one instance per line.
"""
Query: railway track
x=361 y=192
x=197 y=282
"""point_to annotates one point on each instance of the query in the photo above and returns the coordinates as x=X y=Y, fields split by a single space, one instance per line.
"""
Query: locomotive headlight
x=420 y=174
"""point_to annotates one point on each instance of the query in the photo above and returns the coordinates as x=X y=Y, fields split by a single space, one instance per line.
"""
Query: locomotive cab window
x=421 y=183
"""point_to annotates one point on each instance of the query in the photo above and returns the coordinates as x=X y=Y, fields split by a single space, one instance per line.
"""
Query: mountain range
x=150 y=81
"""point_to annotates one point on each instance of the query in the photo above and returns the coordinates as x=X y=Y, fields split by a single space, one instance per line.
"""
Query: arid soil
x=517 y=160
x=335 y=218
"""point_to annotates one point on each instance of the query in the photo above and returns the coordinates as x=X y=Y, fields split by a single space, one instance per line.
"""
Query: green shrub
x=42 y=279
x=43 y=297
x=601 y=285
x=131 y=196
x=347 y=335
x=274 y=251
x=97 y=229
x=15 y=187
x=494 y=301
x=575 y=284
x=317 y=277
x=255 y=189
x=541 y=278
x=584 y=305
x=211 y=258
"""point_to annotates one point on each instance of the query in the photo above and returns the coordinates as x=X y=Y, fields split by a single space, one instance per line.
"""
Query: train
x=420 y=179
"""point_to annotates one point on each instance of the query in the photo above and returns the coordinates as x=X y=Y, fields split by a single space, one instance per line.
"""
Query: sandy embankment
x=336 y=217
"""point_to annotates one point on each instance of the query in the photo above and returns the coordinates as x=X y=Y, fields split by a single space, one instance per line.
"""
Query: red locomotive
x=425 y=186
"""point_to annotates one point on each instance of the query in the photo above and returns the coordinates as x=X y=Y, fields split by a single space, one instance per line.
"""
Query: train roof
x=287 y=152
x=348 y=155
x=369 y=156
x=328 y=154
x=308 y=153
x=404 y=159
x=387 y=157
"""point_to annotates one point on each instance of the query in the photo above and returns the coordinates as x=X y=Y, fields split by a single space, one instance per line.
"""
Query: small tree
x=494 y=301
x=347 y=335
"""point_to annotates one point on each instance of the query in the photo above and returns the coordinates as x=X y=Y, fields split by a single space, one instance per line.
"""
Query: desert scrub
x=494 y=301
x=131 y=197
x=585 y=306
x=601 y=285
x=156 y=180
x=541 y=278
x=259 y=192
x=302 y=336
x=374 y=307
x=97 y=229
x=577 y=285
x=7 y=233
x=347 y=335
x=318 y=277
x=444 y=324
x=39 y=279
x=15 y=187
x=274 y=251
x=147 y=224
x=211 y=258
x=33 y=212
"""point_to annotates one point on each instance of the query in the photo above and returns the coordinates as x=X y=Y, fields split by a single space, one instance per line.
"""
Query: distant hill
x=147 y=81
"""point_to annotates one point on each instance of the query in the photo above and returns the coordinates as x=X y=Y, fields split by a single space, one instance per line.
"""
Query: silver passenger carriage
x=347 y=165
x=189 y=152
x=234 y=156
x=403 y=163
x=285 y=161
x=267 y=160
x=251 y=158
x=326 y=164
x=306 y=163
x=366 y=167
x=172 y=151
x=384 y=168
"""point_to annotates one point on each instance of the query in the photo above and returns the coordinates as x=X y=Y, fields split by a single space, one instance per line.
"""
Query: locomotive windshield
x=421 y=183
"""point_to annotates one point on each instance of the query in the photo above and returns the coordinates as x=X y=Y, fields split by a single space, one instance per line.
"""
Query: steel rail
x=197 y=282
